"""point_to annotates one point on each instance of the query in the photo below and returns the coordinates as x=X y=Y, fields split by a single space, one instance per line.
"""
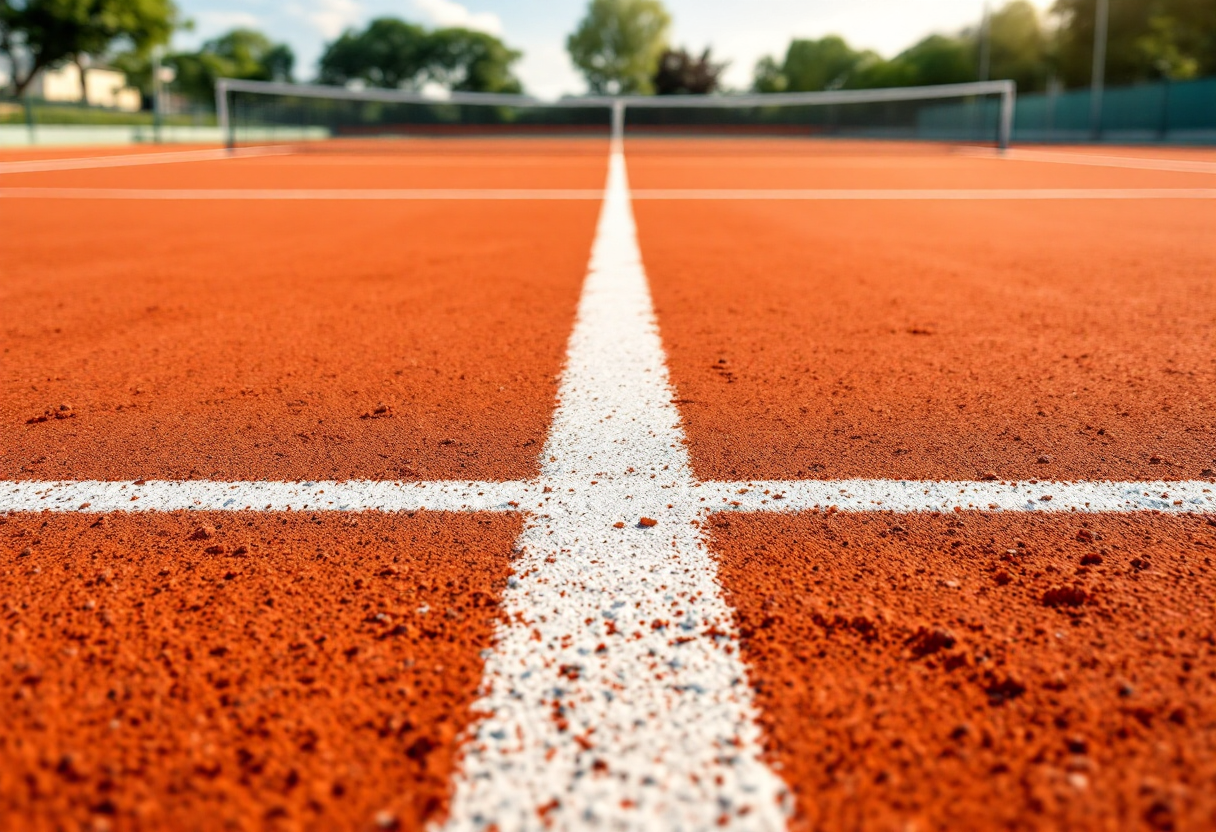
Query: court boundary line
x=762 y=495
x=1019 y=154
x=307 y=194
x=125 y=160
x=923 y=194
x=583 y=194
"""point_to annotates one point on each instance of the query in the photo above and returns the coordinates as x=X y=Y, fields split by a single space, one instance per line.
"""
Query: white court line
x=909 y=496
x=137 y=159
x=287 y=194
x=208 y=495
x=900 y=496
x=596 y=710
x=1091 y=159
x=896 y=194
x=681 y=194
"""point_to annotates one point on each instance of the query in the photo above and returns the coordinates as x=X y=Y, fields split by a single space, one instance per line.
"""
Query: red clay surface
x=962 y=672
x=781 y=164
x=286 y=340
x=581 y=164
x=240 y=671
x=979 y=671
x=1056 y=340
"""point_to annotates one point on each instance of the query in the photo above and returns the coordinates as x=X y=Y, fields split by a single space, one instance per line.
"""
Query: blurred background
x=115 y=71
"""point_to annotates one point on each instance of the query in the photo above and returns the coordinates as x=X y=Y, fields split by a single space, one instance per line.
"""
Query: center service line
x=616 y=695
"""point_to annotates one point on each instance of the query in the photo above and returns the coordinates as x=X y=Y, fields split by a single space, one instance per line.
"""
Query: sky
x=741 y=31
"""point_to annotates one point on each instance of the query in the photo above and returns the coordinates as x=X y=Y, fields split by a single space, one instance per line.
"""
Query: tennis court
x=776 y=483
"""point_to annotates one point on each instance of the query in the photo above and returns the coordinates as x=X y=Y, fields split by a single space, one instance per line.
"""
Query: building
x=105 y=87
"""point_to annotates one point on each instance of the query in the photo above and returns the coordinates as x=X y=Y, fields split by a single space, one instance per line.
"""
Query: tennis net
x=317 y=117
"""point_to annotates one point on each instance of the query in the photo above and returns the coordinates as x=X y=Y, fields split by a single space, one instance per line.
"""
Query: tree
x=812 y=65
x=389 y=53
x=681 y=73
x=469 y=61
x=618 y=44
x=823 y=64
x=1148 y=39
x=1021 y=48
x=768 y=76
x=938 y=59
x=37 y=34
x=241 y=53
x=394 y=54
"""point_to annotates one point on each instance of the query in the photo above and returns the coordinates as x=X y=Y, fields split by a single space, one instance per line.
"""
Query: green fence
x=1180 y=112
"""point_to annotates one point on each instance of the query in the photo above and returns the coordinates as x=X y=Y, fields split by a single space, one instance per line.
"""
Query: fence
x=1179 y=112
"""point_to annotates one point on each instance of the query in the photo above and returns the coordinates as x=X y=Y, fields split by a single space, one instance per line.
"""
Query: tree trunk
x=84 y=86
x=20 y=83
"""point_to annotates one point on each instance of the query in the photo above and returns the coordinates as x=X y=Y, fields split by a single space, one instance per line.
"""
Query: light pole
x=985 y=43
x=1098 y=75
x=161 y=75
x=156 y=95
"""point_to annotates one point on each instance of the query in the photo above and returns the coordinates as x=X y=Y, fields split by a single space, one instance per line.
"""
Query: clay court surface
x=909 y=321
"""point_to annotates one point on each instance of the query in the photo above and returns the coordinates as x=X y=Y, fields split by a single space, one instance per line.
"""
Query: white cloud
x=223 y=21
x=331 y=17
x=451 y=13
x=547 y=71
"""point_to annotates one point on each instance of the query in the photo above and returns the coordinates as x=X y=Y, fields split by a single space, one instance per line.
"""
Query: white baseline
x=1102 y=160
x=784 y=496
x=126 y=160
x=574 y=194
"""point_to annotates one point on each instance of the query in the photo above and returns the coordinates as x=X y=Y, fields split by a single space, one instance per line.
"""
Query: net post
x=618 y=125
x=1008 y=100
x=227 y=137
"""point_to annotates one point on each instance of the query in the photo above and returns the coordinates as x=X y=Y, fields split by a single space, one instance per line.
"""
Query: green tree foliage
x=394 y=54
x=1147 y=40
x=682 y=73
x=37 y=34
x=938 y=59
x=769 y=76
x=241 y=53
x=830 y=63
x=389 y=53
x=469 y=61
x=825 y=64
x=619 y=43
x=1021 y=47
